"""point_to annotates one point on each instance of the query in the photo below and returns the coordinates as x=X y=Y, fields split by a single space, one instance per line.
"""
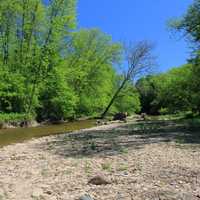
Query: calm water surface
x=17 y=135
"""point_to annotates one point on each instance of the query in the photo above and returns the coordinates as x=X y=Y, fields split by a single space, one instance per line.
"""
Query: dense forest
x=50 y=70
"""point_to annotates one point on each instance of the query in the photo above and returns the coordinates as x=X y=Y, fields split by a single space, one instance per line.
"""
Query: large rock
x=120 y=116
x=29 y=123
x=99 y=180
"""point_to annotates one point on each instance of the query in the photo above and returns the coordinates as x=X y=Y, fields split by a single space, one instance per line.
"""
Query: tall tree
x=189 y=25
x=60 y=20
x=140 y=60
x=90 y=69
x=32 y=40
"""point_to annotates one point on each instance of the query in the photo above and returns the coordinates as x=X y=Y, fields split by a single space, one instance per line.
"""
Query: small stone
x=125 y=173
x=99 y=180
x=86 y=197
x=48 y=192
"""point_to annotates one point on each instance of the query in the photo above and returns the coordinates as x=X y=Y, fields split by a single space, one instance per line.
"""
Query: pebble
x=99 y=180
x=86 y=197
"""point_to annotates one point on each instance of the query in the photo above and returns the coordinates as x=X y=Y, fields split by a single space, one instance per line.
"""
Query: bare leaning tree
x=140 y=62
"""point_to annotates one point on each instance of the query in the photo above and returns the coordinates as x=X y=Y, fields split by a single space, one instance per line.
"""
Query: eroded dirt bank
x=141 y=165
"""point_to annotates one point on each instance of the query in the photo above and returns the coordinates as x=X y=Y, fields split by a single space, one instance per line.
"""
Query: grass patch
x=123 y=167
x=124 y=150
x=45 y=172
x=68 y=171
x=87 y=167
x=168 y=117
x=107 y=166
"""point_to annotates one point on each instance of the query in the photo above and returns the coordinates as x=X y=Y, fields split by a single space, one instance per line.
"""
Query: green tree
x=128 y=100
x=57 y=99
x=90 y=71
x=147 y=90
x=168 y=92
x=189 y=25
x=140 y=60
x=32 y=41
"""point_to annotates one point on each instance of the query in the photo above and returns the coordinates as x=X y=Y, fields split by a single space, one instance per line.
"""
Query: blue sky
x=133 y=20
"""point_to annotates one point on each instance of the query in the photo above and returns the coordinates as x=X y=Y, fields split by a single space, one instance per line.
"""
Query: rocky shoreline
x=34 y=123
x=20 y=124
x=137 y=167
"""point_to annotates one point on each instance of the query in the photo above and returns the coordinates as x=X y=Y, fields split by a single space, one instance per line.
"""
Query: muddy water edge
x=17 y=135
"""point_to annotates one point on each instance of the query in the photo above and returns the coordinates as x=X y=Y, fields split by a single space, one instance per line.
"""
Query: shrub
x=14 y=117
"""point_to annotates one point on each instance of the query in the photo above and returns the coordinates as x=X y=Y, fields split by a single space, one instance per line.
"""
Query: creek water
x=17 y=135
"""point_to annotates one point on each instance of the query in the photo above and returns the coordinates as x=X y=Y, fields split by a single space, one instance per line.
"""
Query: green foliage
x=189 y=25
x=128 y=100
x=57 y=100
x=164 y=111
x=90 y=69
x=12 y=92
x=147 y=91
x=167 y=93
x=32 y=35
x=107 y=166
x=50 y=70
x=190 y=22
x=14 y=117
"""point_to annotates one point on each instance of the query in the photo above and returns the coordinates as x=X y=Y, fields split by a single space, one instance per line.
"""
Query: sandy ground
x=140 y=167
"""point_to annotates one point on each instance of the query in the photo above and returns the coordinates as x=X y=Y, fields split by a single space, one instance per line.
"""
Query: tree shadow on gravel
x=126 y=136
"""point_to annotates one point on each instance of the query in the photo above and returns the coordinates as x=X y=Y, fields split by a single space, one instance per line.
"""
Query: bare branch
x=140 y=59
x=140 y=62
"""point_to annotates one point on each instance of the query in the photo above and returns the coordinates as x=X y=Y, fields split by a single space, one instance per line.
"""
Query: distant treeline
x=170 y=92
x=179 y=89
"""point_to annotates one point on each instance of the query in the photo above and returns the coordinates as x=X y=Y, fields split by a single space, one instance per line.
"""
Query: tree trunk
x=113 y=98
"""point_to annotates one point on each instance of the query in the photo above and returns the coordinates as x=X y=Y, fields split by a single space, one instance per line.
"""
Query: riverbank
x=18 y=135
x=143 y=160
x=16 y=120
x=10 y=121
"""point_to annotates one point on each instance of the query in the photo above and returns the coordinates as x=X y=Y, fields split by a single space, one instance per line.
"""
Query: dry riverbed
x=140 y=164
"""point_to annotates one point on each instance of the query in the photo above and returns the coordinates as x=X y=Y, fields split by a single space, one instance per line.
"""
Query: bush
x=164 y=111
x=189 y=115
x=14 y=117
